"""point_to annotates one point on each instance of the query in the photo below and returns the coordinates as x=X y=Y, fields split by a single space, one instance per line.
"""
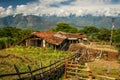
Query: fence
x=52 y=71
x=77 y=71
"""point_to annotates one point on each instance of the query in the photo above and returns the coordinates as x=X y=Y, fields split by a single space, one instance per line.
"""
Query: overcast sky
x=60 y=7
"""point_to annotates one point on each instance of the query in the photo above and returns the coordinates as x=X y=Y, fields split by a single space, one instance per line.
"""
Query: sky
x=60 y=7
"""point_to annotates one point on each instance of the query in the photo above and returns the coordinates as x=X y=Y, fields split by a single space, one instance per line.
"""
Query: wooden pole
x=41 y=70
x=30 y=71
x=66 y=62
x=50 y=66
x=17 y=71
x=113 y=25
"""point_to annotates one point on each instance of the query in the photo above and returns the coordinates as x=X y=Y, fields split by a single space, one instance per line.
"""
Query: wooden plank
x=75 y=65
x=71 y=68
x=79 y=78
x=76 y=73
x=106 y=77
x=72 y=62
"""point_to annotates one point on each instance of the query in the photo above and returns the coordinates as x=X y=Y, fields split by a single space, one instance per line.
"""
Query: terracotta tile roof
x=49 y=37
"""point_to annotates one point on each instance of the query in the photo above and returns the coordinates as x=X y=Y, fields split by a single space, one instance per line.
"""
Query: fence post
x=66 y=62
x=108 y=69
x=41 y=70
x=50 y=66
x=50 y=69
x=56 y=73
x=58 y=70
x=55 y=63
x=17 y=71
x=29 y=68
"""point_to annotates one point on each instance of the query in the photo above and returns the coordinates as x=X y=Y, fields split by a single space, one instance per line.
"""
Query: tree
x=65 y=27
x=9 y=32
x=104 y=34
x=116 y=36
x=90 y=31
x=24 y=33
x=10 y=35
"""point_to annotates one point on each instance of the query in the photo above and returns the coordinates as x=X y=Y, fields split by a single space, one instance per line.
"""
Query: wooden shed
x=45 y=39
x=59 y=40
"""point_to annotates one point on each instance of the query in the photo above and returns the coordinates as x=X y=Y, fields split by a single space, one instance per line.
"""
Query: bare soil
x=112 y=52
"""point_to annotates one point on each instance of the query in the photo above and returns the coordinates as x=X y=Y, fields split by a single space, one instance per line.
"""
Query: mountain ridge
x=46 y=22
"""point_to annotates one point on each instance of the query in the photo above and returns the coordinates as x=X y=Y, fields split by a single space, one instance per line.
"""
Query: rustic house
x=59 y=40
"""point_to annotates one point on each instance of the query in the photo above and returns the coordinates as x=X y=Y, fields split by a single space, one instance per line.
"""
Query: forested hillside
x=47 y=22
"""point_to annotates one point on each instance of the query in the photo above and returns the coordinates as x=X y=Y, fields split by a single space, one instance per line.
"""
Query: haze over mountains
x=46 y=22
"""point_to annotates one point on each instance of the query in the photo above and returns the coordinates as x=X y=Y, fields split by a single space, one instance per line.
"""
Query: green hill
x=47 y=22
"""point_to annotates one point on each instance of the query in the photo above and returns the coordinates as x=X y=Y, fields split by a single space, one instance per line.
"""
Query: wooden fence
x=51 y=72
x=77 y=71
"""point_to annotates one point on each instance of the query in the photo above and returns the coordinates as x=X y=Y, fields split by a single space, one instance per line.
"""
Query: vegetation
x=23 y=57
x=65 y=27
x=94 y=33
x=10 y=35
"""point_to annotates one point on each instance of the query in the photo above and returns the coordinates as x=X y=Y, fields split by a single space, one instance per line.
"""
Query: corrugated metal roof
x=71 y=35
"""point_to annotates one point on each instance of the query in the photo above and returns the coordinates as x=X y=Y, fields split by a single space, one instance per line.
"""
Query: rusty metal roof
x=71 y=35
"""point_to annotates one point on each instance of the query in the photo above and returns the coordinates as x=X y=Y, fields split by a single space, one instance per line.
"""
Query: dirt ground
x=112 y=54
x=104 y=64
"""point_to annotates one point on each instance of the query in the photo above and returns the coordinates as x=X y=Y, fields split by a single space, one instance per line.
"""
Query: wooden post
x=41 y=70
x=17 y=71
x=50 y=66
x=55 y=68
x=55 y=64
x=59 y=71
x=108 y=69
x=89 y=71
x=101 y=53
x=29 y=68
x=66 y=62
x=50 y=71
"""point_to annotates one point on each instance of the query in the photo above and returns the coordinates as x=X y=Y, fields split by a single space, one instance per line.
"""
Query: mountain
x=46 y=22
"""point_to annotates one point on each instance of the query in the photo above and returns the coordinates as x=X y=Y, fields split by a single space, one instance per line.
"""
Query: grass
x=101 y=67
x=107 y=47
x=23 y=57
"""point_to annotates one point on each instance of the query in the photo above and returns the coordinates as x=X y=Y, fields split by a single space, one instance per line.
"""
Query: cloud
x=5 y=12
x=65 y=8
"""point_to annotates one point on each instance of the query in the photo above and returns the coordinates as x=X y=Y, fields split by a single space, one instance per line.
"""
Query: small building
x=59 y=40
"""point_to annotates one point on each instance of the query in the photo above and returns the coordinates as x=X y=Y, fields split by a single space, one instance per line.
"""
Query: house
x=59 y=40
